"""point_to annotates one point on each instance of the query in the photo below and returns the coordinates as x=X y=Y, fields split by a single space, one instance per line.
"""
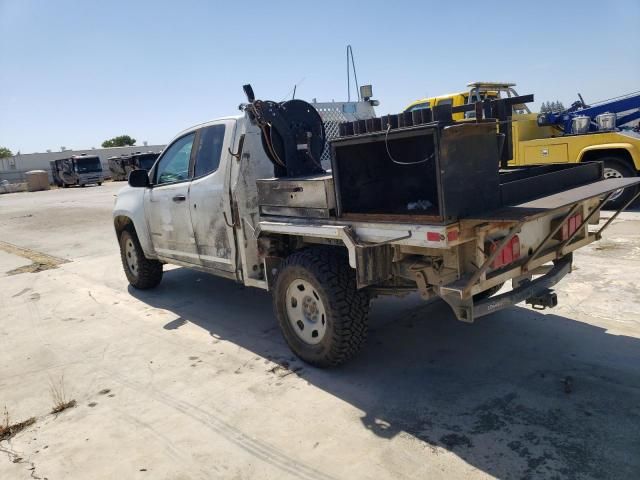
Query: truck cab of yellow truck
x=538 y=141
x=478 y=92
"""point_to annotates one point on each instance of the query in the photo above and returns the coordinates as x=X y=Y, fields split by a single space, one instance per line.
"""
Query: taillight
x=509 y=254
x=568 y=228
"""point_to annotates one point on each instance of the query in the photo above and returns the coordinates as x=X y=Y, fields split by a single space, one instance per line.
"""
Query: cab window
x=209 y=150
x=420 y=106
x=174 y=164
x=445 y=101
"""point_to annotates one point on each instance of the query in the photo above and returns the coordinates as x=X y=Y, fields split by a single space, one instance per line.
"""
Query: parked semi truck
x=77 y=170
x=120 y=166
x=582 y=133
x=410 y=205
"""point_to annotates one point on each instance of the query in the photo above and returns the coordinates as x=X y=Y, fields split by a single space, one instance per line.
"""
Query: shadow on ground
x=518 y=394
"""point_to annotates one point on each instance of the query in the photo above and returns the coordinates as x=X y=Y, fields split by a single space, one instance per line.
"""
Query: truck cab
x=477 y=92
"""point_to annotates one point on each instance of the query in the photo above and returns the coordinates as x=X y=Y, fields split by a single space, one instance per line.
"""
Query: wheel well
x=122 y=223
x=621 y=154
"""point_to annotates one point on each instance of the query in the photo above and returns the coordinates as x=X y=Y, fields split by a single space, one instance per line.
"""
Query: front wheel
x=141 y=272
x=99 y=184
x=616 y=168
x=323 y=316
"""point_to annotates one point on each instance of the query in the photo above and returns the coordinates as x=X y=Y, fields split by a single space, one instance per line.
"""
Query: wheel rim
x=306 y=312
x=613 y=173
x=131 y=256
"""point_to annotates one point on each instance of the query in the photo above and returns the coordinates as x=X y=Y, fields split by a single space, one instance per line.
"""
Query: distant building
x=14 y=168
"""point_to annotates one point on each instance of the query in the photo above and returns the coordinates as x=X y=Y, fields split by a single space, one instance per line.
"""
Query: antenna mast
x=351 y=63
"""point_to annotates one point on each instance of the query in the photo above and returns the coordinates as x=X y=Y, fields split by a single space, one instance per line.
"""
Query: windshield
x=85 y=165
x=147 y=161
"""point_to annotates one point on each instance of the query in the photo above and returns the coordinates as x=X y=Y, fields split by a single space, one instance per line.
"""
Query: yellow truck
x=557 y=137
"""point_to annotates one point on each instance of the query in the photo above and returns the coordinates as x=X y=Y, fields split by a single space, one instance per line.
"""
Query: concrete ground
x=193 y=380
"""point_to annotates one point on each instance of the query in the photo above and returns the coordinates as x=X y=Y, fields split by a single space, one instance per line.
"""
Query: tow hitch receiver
x=546 y=298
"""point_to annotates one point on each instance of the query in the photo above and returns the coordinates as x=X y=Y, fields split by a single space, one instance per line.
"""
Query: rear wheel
x=615 y=167
x=322 y=315
x=141 y=272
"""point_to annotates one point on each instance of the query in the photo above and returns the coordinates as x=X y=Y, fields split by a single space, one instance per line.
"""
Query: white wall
x=14 y=168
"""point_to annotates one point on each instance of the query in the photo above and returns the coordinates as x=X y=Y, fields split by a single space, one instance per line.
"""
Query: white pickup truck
x=324 y=244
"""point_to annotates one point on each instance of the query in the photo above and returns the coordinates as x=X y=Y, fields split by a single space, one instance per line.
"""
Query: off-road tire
x=327 y=270
x=147 y=273
x=618 y=164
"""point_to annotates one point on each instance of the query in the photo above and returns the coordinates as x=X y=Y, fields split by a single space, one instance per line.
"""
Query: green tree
x=555 y=107
x=120 y=141
x=5 y=152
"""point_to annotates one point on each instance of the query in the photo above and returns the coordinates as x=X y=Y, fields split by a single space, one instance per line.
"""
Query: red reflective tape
x=515 y=248
x=433 y=236
x=510 y=253
x=452 y=235
x=507 y=255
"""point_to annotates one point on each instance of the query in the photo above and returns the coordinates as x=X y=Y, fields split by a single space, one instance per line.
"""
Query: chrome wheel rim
x=306 y=312
x=613 y=173
x=131 y=256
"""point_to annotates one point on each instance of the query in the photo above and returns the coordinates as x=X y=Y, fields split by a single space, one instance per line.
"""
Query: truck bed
x=519 y=191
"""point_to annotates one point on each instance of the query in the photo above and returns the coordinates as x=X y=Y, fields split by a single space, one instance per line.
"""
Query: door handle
x=179 y=198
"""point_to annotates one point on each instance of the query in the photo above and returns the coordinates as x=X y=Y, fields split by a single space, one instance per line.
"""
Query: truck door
x=167 y=205
x=209 y=200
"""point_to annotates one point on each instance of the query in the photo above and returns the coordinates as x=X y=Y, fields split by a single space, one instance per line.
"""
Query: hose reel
x=293 y=134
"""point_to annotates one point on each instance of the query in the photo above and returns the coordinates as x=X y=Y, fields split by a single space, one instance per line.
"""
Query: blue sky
x=75 y=73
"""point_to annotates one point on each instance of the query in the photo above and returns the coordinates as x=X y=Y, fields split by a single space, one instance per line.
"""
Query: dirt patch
x=7 y=431
x=60 y=407
x=608 y=246
x=282 y=368
x=40 y=261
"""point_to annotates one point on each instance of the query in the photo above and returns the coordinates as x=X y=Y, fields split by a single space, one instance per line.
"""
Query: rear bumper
x=525 y=291
x=537 y=292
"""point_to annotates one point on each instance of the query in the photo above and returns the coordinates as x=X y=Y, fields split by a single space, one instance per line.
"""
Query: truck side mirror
x=138 y=178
